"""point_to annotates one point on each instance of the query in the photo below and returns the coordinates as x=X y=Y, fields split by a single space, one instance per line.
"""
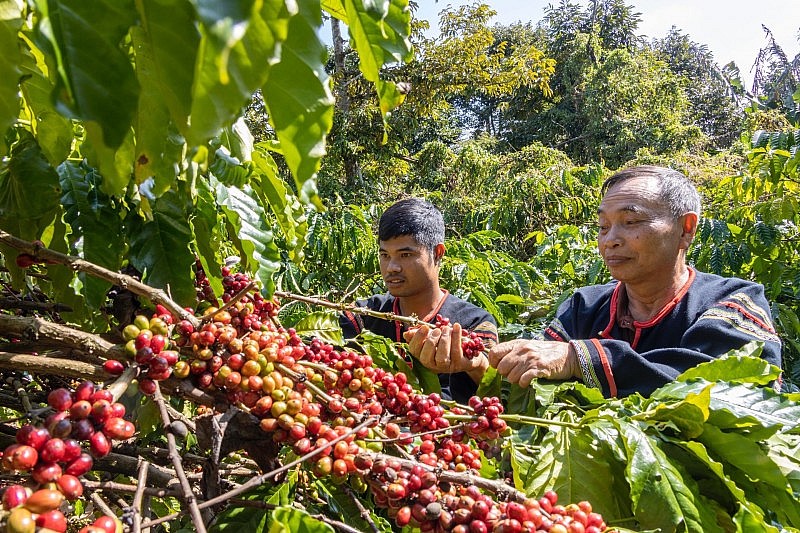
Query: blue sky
x=731 y=28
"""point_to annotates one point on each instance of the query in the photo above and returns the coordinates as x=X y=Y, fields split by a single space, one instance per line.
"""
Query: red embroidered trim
x=670 y=305
x=554 y=335
x=749 y=315
x=612 y=385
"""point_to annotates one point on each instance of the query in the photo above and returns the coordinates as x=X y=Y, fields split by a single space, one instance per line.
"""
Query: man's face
x=407 y=268
x=639 y=239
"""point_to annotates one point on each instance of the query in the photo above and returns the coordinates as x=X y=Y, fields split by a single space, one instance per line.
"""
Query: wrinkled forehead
x=639 y=194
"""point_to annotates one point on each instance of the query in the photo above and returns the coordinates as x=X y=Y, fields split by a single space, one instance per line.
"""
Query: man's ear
x=438 y=253
x=688 y=227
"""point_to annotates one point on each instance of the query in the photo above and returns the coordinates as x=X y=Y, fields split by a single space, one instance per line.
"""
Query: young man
x=660 y=316
x=411 y=247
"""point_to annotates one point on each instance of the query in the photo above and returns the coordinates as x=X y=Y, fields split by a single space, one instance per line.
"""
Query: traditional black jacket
x=710 y=316
x=457 y=386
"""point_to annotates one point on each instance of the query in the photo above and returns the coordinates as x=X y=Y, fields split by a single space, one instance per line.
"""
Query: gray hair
x=676 y=191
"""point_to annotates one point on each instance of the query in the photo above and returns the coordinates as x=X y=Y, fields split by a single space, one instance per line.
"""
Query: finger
x=528 y=376
x=427 y=352
x=456 y=352
x=498 y=352
x=410 y=332
x=416 y=339
x=443 y=348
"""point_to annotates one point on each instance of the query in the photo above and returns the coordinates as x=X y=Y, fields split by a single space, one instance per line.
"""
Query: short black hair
x=676 y=191
x=415 y=217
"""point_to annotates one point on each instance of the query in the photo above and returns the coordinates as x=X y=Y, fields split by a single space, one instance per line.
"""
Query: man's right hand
x=522 y=360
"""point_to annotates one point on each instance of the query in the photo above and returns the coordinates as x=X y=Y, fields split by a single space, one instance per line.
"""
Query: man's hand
x=522 y=360
x=439 y=349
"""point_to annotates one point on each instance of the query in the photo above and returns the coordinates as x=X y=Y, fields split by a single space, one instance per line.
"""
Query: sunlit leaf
x=87 y=37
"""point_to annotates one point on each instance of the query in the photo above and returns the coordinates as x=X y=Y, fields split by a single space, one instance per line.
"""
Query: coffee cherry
x=20 y=521
x=14 y=496
x=70 y=486
x=60 y=399
x=53 y=520
x=80 y=465
x=20 y=457
x=113 y=367
x=44 y=500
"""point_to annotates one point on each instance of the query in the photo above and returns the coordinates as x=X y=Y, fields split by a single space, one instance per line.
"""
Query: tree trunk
x=352 y=169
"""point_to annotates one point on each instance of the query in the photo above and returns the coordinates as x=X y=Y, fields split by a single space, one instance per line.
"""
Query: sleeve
x=351 y=324
x=486 y=330
x=618 y=370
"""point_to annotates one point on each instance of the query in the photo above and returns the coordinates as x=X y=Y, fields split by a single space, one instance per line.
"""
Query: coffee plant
x=292 y=429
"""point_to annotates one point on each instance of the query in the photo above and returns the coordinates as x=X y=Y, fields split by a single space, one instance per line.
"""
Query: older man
x=660 y=316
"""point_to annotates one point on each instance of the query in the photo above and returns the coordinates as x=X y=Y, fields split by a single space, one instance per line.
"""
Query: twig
x=26 y=305
x=121 y=384
x=238 y=296
x=123 y=487
x=258 y=480
x=101 y=503
x=78 y=264
x=188 y=495
x=23 y=395
x=365 y=514
x=38 y=329
x=342 y=307
x=141 y=482
x=36 y=364
x=177 y=415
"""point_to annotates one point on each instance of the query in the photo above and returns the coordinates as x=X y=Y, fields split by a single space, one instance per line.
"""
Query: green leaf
x=53 y=131
x=731 y=403
x=736 y=368
x=157 y=145
x=335 y=8
x=342 y=505
x=379 y=31
x=160 y=249
x=570 y=462
x=207 y=229
x=172 y=38
x=248 y=221
x=659 y=493
x=743 y=453
x=491 y=384
x=428 y=380
x=87 y=38
x=10 y=59
x=115 y=164
x=29 y=190
x=230 y=69
x=321 y=324
x=713 y=475
x=290 y=520
x=95 y=223
x=289 y=212
x=687 y=416
x=240 y=519
x=299 y=100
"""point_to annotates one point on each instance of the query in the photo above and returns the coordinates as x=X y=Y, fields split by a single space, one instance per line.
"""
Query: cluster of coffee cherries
x=310 y=396
x=147 y=342
x=205 y=293
x=417 y=497
x=54 y=457
x=471 y=344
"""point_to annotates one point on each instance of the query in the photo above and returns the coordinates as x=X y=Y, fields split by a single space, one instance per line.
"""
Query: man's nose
x=613 y=236
x=393 y=266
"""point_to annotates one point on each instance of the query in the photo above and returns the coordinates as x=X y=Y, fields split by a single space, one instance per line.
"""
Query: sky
x=730 y=28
